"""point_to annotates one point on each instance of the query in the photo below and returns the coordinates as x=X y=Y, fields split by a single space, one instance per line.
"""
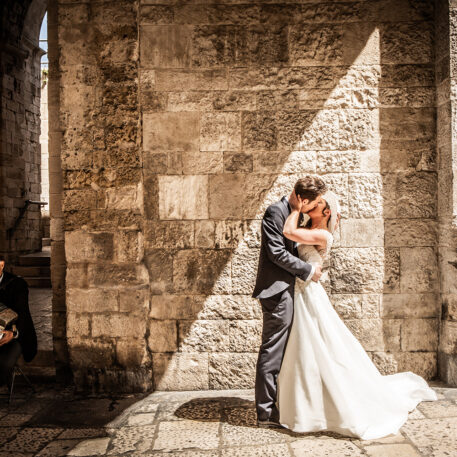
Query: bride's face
x=320 y=212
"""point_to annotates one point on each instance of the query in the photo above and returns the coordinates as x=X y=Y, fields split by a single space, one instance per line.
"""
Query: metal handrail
x=11 y=230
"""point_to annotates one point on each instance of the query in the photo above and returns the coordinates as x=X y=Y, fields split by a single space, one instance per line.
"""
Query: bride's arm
x=300 y=234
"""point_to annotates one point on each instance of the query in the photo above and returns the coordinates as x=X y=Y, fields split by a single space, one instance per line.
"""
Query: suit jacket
x=278 y=261
x=14 y=293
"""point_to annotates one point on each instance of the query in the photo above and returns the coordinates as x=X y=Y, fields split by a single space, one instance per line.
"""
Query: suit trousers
x=277 y=313
x=9 y=353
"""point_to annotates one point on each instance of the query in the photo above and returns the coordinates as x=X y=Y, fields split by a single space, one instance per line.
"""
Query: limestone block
x=206 y=100
x=391 y=270
x=419 y=270
x=77 y=325
x=180 y=371
x=229 y=234
x=341 y=97
x=83 y=246
x=391 y=334
x=307 y=129
x=406 y=43
x=419 y=335
x=175 y=306
x=220 y=132
x=128 y=246
x=407 y=123
x=416 y=97
x=362 y=232
x=416 y=195
x=171 y=131
x=90 y=354
x=165 y=46
x=153 y=14
x=175 y=80
x=369 y=332
x=204 y=234
x=132 y=353
x=117 y=325
x=356 y=306
x=237 y=162
x=283 y=78
x=134 y=301
x=76 y=275
x=202 y=162
x=244 y=269
x=118 y=275
x=163 y=336
x=160 y=266
x=284 y=162
x=316 y=44
x=81 y=199
x=92 y=300
x=359 y=129
x=259 y=131
x=169 y=234
x=385 y=362
x=365 y=195
x=245 y=335
x=232 y=371
x=230 y=307
x=243 y=195
x=356 y=270
x=411 y=305
x=422 y=363
x=448 y=337
x=204 y=336
x=197 y=271
x=183 y=197
x=361 y=43
x=338 y=161
x=410 y=233
x=269 y=100
x=125 y=198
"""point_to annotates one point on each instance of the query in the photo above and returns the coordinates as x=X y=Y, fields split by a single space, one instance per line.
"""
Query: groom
x=278 y=266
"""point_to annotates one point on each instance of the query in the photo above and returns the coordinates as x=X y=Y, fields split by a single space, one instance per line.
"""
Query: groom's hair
x=310 y=187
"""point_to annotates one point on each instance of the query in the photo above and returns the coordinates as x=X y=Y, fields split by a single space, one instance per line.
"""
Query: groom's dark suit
x=278 y=266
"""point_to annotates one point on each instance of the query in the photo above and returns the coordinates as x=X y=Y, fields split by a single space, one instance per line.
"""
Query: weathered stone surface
x=405 y=450
x=159 y=263
x=168 y=80
x=356 y=306
x=163 y=336
x=232 y=371
x=169 y=234
x=418 y=270
x=230 y=307
x=180 y=371
x=92 y=300
x=391 y=270
x=171 y=131
x=357 y=270
x=201 y=271
x=365 y=196
x=220 y=132
x=128 y=246
x=203 y=336
x=407 y=232
x=326 y=445
x=362 y=232
x=419 y=335
x=132 y=353
x=117 y=325
x=368 y=332
x=86 y=354
x=410 y=305
x=183 y=197
x=244 y=269
x=245 y=335
x=421 y=363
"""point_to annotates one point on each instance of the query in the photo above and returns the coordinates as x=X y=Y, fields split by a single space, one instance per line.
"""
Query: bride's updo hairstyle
x=310 y=187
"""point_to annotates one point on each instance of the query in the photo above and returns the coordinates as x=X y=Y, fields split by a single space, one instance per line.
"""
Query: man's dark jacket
x=14 y=293
x=278 y=261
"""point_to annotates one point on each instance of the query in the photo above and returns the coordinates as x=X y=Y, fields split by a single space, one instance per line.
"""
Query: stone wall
x=20 y=129
x=180 y=123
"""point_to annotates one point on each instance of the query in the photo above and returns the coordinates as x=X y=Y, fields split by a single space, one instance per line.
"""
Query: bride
x=326 y=380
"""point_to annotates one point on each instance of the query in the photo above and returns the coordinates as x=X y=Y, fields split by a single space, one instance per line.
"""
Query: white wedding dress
x=328 y=382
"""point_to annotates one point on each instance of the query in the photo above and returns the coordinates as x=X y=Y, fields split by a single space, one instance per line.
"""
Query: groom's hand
x=317 y=273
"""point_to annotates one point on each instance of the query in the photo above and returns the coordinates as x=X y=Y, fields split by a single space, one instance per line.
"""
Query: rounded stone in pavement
x=325 y=447
x=271 y=450
x=392 y=450
x=177 y=435
x=96 y=446
x=442 y=408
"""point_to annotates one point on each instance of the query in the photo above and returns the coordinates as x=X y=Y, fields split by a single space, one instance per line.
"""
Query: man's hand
x=317 y=273
x=7 y=337
x=295 y=202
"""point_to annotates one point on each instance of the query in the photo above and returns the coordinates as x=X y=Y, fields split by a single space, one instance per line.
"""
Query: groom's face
x=310 y=205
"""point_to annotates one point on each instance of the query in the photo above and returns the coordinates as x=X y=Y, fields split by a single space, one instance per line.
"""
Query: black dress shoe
x=269 y=423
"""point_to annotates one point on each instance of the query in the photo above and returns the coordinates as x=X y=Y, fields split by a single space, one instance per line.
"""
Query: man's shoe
x=269 y=423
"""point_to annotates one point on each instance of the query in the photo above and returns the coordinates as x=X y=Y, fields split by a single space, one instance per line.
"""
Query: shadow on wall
x=352 y=102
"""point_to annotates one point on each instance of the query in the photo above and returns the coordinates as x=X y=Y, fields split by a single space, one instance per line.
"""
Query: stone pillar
x=446 y=82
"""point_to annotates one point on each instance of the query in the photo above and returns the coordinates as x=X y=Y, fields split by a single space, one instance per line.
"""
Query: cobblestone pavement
x=55 y=422
x=40 y=303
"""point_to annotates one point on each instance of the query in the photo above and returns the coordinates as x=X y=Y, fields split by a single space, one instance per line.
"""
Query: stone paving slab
x=198 y=424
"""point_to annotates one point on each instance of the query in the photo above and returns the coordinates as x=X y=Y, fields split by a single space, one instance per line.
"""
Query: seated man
x=14 y=293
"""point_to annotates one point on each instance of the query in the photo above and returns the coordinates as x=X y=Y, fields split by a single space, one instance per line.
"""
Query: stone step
x=42 y=258
x=32 y=272
x=41 y=282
